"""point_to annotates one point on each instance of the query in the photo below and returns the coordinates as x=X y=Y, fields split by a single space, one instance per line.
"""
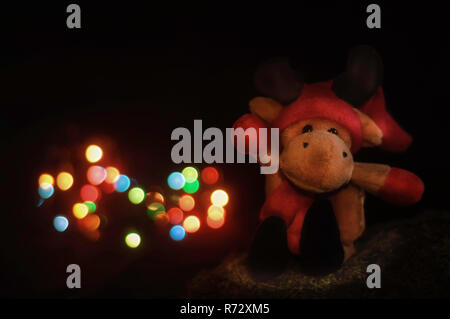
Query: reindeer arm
x=392 y=184
x=251 y=120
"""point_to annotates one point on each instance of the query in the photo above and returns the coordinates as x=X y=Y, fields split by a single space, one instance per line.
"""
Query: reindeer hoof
x=269 y=253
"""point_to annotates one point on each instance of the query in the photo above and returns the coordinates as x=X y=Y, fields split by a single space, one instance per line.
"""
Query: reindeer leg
x=348 y=207
x=394 y=185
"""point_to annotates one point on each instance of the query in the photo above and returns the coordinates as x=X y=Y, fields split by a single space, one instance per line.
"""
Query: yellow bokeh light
x=132 y=240
x=46 y=178
x=216 y=213
x=94 y=153
x=219 y=198
x=80 y=210
x=112 y=175
x=191 y=224
x=64 y=181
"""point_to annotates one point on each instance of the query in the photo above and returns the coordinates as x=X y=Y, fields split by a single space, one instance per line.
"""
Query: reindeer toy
x=321 y=126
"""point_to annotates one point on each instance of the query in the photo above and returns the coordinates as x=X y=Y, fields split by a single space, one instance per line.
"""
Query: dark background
x=133 y=73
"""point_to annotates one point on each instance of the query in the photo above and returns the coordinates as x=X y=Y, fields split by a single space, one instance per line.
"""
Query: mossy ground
x=414 y=256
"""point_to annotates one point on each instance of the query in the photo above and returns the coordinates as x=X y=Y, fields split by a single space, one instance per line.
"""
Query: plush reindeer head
x=319 y=130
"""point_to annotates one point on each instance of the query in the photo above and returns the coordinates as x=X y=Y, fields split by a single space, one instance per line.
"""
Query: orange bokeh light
x=215 y=223
x=161 y=219
x=186 y=203
x=191 y=224
x=89 y=223
x=64 y=181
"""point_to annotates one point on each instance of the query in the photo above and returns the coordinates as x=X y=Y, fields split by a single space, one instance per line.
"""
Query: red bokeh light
x=89 y=193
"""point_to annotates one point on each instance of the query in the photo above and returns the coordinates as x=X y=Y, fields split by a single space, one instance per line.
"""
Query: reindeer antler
x=278 y=81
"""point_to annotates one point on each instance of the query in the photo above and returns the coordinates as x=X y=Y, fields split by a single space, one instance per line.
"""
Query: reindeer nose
x=305 y=145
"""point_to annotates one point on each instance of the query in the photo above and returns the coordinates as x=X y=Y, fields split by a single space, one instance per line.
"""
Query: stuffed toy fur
x=322 y=125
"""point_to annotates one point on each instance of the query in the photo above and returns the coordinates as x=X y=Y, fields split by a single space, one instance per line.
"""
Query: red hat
x=319 y=101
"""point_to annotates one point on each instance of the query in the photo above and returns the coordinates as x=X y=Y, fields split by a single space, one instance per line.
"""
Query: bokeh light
x=112 y=175
x=80 y=210
x=152 y=197
x=216 y=212
x=190 y=174
x=46 y=178
x=64 y=181
x=177 y=233
x=91 y=235
x=122 y=183
x=96 y=175
x=215 y=224
x=154 y=208
x=174 y=198
x=41 y=201
x=60 y=223
x=89 y=193
x=176 y=180
x=219 y=197
x=161 y=219
x=91 y=206
x=191 y=224
x=175 y=215
x=45 y=190
x=186 y=203
x=210 y=175
x=107 y=188
x=133 y=240
x=191 y=188
x=93 y=153
x=89 y=223
x=136 y=195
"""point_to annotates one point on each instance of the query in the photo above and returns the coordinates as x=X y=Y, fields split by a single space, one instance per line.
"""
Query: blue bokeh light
x=177 y=233
x=60 y=223
x=122 y=184
x=45 y=190
x=176 y=180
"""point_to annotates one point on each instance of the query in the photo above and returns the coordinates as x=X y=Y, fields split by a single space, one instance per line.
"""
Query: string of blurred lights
x=208 y=205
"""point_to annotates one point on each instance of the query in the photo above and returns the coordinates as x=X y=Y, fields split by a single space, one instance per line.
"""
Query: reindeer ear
x=278 y=81
x=265 y=108
x=361 y=79
x=371 y=133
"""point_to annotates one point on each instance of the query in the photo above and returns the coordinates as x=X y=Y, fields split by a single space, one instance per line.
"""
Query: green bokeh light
x=136 y=195
x=91 y=206
x=191 y=188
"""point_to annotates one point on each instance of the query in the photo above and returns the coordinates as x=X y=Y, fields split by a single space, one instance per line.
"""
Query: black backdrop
x=133 y=73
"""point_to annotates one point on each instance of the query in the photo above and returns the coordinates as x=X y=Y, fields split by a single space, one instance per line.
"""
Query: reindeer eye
x=307 y=128
x=333 y=131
